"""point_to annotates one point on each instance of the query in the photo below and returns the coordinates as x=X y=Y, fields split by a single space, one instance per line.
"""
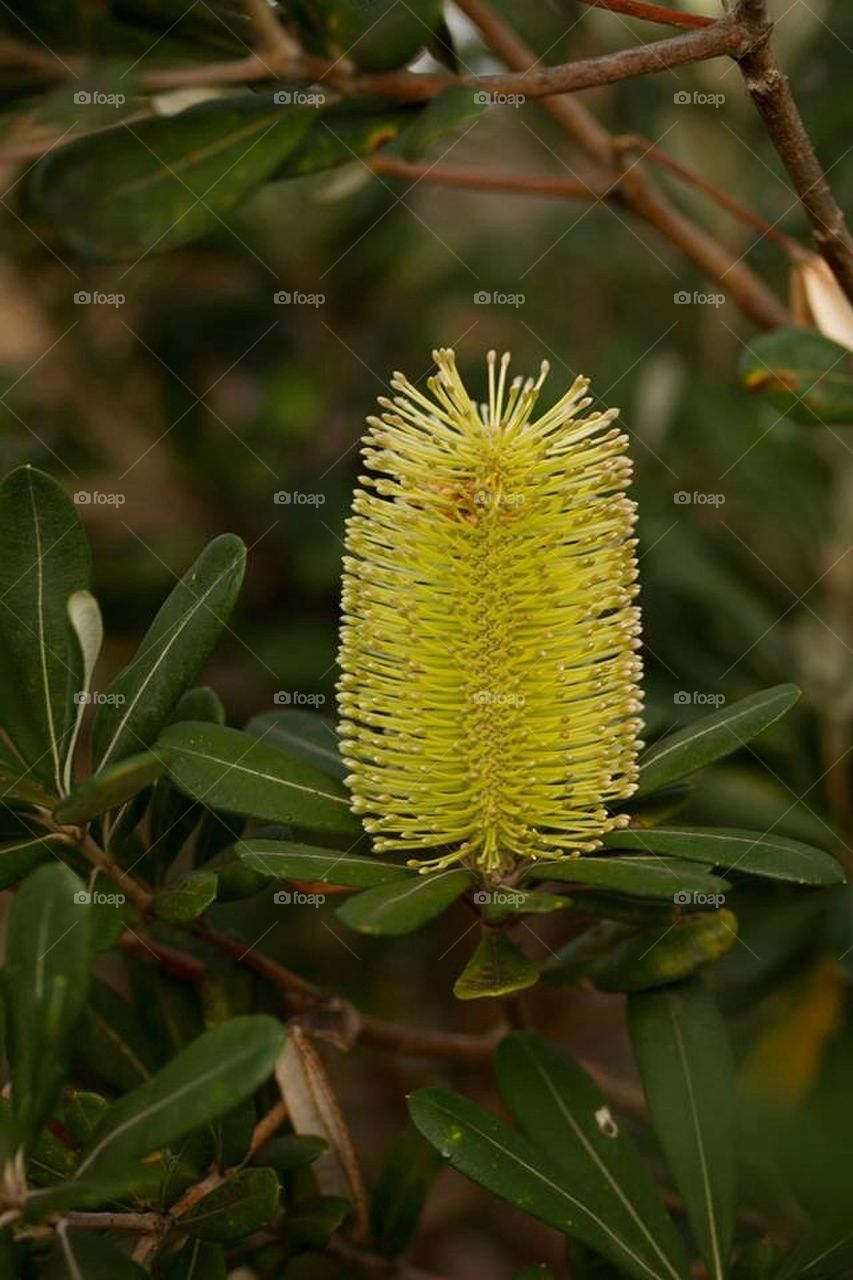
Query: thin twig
x=652 y=13
x=513 y=184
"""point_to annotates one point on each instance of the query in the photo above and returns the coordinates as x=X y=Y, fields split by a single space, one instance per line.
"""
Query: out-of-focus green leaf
x=173 y=651
x=46 y=559
x=187 y=898
x=311 y=1223
x=19 y=857
x=753 y=852
x=454 y=110
x=109 y=788
x=376 y=36
x=497 y=968
x=404 y=906
x=636 y=875
x=279 y=859
x=172 y=179
x=757 y=1260
x=81 y=1112
x=802 y=373
x=685 y=1062
x=290 y=1151
x=110 y=1042
x=563 y=1113
x=343 y=135
x=402 y=1188
x=244 y=1203
x=655 y=957
x=197 y=1261
x=78 y=1253
x=17 y=780
x=214 y=1073
x=46 y=985
x=229 y=770
x=713 y=736
x=304 y=734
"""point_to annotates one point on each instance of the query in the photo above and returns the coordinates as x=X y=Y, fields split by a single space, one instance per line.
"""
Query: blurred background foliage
x=197 y=398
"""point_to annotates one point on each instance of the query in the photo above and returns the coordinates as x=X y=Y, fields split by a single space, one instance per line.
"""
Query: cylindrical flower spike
x=489 y=698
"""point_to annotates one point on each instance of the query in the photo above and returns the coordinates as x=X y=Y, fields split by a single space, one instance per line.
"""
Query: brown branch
x=636 y=191
x=652 y=13
x=771 y=93
x=513 y=184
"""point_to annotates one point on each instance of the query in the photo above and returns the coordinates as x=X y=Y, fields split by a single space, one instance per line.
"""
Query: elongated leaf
x=803 y=373
x=713 y=736
x=246 y=1202
x=81 y=1113
x=403 y=906
x=304 y=734
x=402 y=1188
x=290 y=1152
x=19 y=782
x=187 y=898
x=656 y=956
x=78 y=1253
x=213 y=1074
x=824 y=1254
x=84 y=614
x=19 y=857
x=230 y=771
x=47 y=982
x=198 y=1261
x=172 y=178
x=46 y=559
x=109 y=788
x=562 y=1112
x=634 y=875
x=497 y=968
x=111 y=1043
x=342 y=134
x=503 y=1161
x=752 y=852
x=454 y=110
x=685 y=1062
x=173 y=651
x=279 y=859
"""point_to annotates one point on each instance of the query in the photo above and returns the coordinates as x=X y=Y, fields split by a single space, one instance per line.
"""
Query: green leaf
x=635 y=875
x=46 y=559
x=202 y=1082
x=311 y=1223
x=228 y=770
x=110 y=1042
x=173 y=651
x=109 y=788
x=81 y=1113
x=344 y=134
x=803 y=374
x=497 y=968
x=454 y=110
x=19 y=857
x=244 y=1203
x=172 y=179
x=752 y=852
x=502 y=904
x=304 y=734
x=654 y=957
x=685 y=1062
x=492 y=1154
x=403 y=1186
x=563 y=1113
x=824 y=1254
x=281 y=860
x=77 y=1253
x=291 y=1151
x=187 y=898
x=198 y=1261
x=17 y=780
x=713 y=736
x=402 y=907
x=47 y=981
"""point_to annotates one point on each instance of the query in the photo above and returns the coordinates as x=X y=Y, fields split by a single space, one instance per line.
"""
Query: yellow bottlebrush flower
x=489 y=694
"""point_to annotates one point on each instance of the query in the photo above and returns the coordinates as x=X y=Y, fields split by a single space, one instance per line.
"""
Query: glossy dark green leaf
x=46 y=559
x=657 y=956
x=406 y=905
x=172 y=179
x=19 y=857
x=246 y=1202
x=229 y=770
x=713 y=736
x=403 y=1186
x=77 y=1253
x=802 y=373
x=173 y=651
x=46 y=984
x=752 y=852
x=281 y=860
x=454 y=110
x=290 y=1152
x=187 y=898
x=503 y=1161
x=213 y=1074
x=498 y=967
x=109 y=788
x=635 y=875
x=307 y=735
x=502 y=904
x=563 y=1113
x=685 y=1062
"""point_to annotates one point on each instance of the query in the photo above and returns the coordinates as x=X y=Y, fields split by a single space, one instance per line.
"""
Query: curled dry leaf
x=818 y=301
x=313 y=1107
